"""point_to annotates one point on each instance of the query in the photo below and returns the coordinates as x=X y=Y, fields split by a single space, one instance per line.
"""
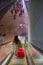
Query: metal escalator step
x=18 y=61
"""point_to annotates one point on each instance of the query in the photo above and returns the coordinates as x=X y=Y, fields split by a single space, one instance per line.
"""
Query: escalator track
x=17 y=61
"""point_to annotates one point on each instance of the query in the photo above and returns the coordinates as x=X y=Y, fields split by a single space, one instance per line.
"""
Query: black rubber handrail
x=29 y=59
x=40 y=50
x=5 y=43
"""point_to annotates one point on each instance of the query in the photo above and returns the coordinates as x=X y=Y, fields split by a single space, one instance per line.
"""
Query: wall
x=36 y=22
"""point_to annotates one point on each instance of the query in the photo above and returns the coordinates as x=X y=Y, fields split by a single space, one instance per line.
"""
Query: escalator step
x=17 y=61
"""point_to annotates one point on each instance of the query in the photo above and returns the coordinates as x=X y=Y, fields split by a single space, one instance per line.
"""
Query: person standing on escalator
x=18 y=43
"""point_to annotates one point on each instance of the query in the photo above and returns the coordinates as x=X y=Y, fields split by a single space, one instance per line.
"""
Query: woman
x=18 y=43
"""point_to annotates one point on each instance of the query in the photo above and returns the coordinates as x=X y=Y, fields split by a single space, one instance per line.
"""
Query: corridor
x=21 y=27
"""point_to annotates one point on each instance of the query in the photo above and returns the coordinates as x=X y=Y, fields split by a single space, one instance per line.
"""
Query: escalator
x=27 y=60
x=17 y=61
x=9 y=57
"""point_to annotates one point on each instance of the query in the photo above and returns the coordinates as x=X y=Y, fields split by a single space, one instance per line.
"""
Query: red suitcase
x=21 y=53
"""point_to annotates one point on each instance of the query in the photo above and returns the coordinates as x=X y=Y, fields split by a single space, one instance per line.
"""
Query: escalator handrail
x=5 y=43
x=40 y=50
x=29 y=59
x=6 y=59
